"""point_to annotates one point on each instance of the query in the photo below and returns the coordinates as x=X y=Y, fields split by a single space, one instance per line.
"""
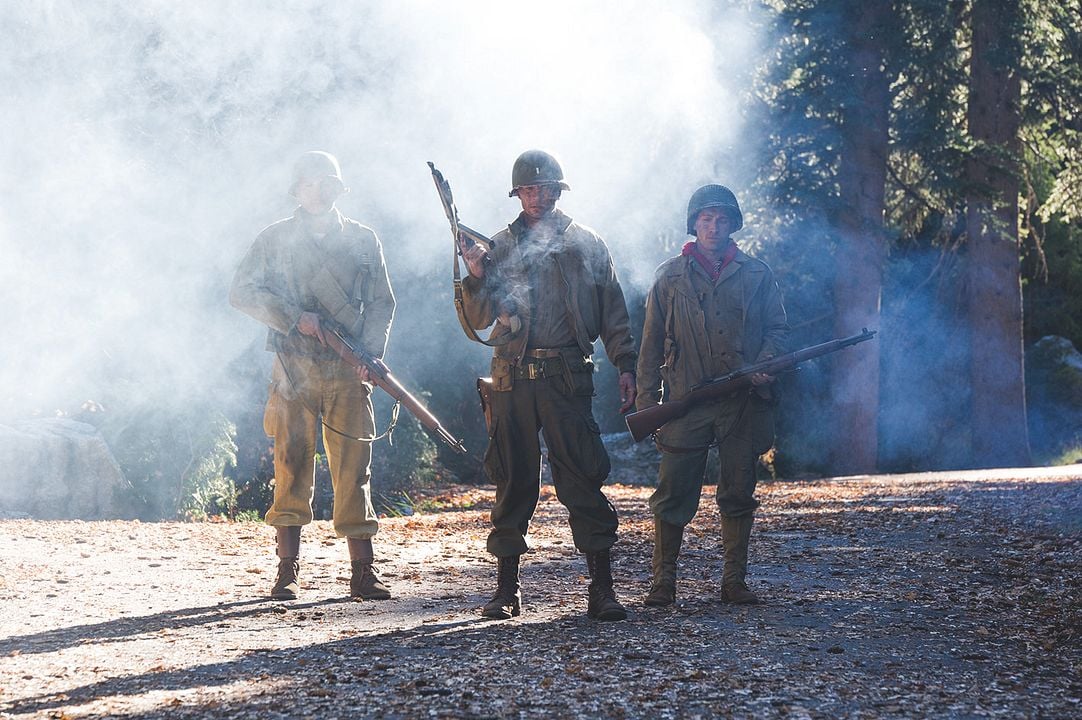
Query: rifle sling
x=385 y=434
x=460 y=308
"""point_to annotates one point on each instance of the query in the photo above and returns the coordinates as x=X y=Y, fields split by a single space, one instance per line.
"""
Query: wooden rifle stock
x=647 y=421
x=382 y=377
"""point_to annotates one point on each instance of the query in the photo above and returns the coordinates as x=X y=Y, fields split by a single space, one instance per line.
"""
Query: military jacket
x=582 y=286
x=682 y=347
x=341 y=276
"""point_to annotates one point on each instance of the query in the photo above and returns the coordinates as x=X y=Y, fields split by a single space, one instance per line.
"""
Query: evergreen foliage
x=798 y=105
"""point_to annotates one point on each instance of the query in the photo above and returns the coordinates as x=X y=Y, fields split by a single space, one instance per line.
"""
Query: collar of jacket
x=305 y=220
x=556 y=220
x=686 y=266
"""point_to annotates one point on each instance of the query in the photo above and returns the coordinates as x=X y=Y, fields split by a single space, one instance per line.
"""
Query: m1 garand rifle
x=508 y=324
x=647 y=422
x=381 y=375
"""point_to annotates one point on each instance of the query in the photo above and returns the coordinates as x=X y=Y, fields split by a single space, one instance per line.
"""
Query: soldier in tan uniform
x=302 y=276
x=712 y=309
x=557 y=277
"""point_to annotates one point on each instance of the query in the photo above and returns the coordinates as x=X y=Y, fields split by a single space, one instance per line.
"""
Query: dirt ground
x=939 y=595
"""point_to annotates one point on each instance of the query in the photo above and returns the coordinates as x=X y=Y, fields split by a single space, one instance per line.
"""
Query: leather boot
x=286 y=585
x=603 y=604
x=735 y=533
x=507 y=602
x=667 y=541
x=364 y=583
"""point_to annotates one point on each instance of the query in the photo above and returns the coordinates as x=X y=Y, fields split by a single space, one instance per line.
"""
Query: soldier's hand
x=761 y=379
x=363 y=374
x=474 y=255
x=627 y=391
x=309 y=325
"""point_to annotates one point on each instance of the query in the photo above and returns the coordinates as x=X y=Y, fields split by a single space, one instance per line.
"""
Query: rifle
x=646 y=422
x=470 y=237
x=381 y=376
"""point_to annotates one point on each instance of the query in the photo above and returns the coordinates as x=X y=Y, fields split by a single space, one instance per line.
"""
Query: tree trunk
x=993 y=278
x=861 y=252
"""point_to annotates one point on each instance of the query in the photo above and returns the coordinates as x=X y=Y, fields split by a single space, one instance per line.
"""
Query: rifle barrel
x=383 y=378
x=649 y=420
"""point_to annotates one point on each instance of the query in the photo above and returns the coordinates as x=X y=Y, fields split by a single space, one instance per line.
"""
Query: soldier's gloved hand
x=309 y=325
x=627 y=391
x=761 y=379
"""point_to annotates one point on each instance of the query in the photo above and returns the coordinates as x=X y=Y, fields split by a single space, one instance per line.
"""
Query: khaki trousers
x=302 y=390
x=576 y=456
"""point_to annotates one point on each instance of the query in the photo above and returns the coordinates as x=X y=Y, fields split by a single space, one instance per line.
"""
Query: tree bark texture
x=993 y=277
x=861 y=251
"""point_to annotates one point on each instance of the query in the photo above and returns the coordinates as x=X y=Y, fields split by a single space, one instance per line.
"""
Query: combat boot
x=507 y=602
x=364 y=583
x=667 y=541
x=735 y=533
x=286 y=585
x=602 y=604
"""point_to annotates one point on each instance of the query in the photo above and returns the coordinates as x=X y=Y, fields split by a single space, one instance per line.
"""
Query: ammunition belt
x=546 y=362
x=536 y=368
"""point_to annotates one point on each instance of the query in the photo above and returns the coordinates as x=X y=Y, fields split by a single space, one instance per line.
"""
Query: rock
x=58 y=469
x=1054 y=397
x=633 y=463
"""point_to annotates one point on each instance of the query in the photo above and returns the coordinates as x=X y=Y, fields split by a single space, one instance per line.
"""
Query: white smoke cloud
x=147 y=143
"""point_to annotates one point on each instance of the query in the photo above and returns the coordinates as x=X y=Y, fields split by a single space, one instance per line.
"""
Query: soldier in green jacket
x=557 y=279
x=300 y=277
x=712 y=309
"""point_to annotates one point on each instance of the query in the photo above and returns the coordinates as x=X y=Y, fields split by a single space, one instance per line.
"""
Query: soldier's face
x=316 y=195
x=712 y=229
x=538 y=200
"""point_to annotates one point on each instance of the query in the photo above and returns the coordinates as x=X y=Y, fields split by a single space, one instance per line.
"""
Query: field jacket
x=676 y=349
x=341 y=276
x=588 y=289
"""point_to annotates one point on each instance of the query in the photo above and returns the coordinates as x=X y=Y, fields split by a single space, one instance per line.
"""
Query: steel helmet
x=317 y=165
x=536 y=167
x=714 y=196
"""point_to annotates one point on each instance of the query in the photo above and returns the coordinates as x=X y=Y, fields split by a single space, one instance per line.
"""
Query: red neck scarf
x=713 y=269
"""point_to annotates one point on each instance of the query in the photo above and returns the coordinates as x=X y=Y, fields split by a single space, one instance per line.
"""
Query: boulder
x=58 y=469
x=1054 y=398
x=632 y=463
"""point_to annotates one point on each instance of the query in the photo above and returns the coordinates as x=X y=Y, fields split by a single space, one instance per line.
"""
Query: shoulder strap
x=460 y=308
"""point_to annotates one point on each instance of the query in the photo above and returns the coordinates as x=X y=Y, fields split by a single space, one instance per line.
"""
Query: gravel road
x=935 y=595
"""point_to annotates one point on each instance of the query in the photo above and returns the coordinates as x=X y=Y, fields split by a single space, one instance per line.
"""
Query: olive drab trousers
x=301 y=390
x=576 y=455
x=743 y=428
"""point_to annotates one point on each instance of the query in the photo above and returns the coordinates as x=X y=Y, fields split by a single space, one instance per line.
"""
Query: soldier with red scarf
x=712 y=310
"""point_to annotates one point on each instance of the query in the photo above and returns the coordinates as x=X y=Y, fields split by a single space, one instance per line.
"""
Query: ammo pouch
x=502 y=378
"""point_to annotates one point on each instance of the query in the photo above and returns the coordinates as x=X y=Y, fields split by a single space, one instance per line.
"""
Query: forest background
x=910 y=167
